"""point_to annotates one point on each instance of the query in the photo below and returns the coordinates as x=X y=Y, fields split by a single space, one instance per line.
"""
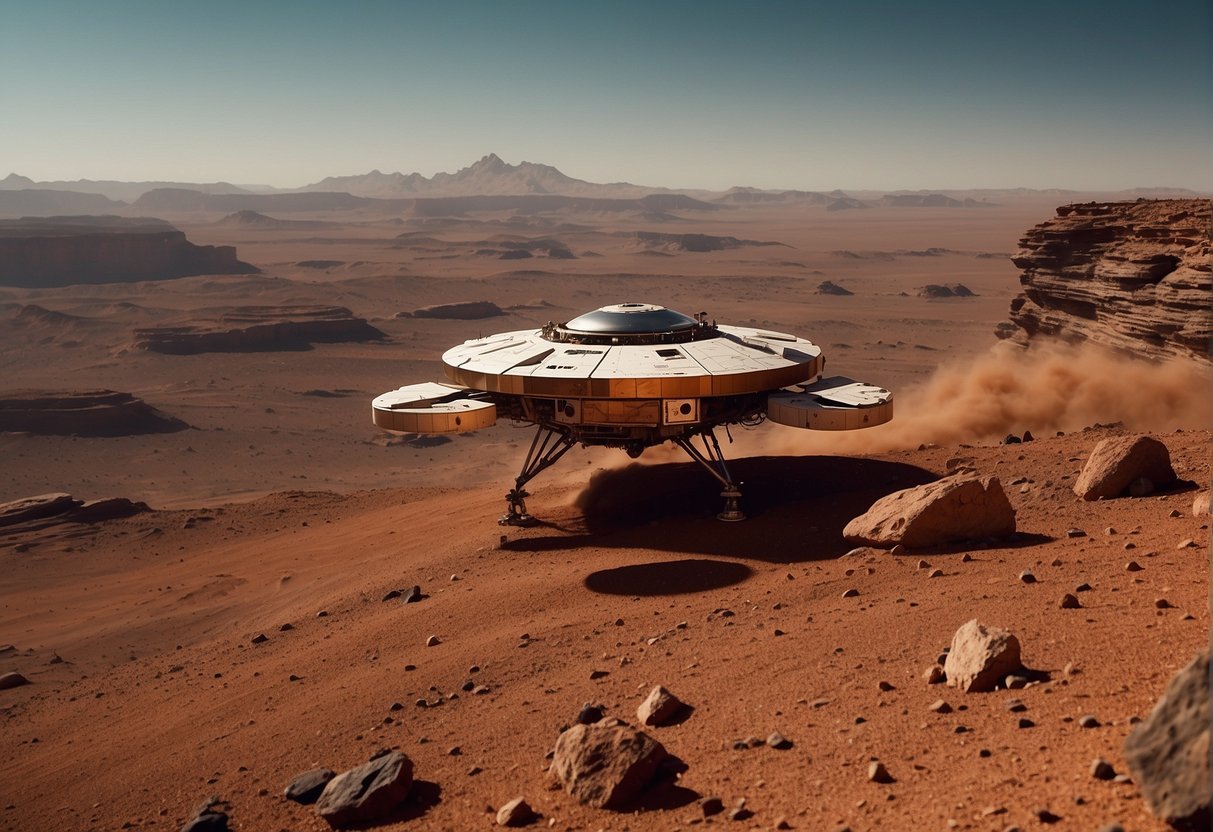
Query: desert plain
x=152 y=688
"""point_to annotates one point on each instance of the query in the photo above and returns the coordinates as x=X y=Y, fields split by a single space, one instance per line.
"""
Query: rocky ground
x=176 y=656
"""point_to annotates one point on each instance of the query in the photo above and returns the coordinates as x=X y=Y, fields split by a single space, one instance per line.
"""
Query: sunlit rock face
x=1132 y=276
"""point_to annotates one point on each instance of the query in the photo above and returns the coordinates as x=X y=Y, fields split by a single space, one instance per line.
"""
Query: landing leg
x=713 y=460
x=546 y=448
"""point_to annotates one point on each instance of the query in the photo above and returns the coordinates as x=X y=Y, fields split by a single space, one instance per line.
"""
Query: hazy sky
x=880 y=95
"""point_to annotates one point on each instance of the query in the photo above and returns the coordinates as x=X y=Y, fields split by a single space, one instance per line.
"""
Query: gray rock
x=606 y=765
x=368 y=792
x=306 y=787
x=1168 y=752
x=413 y=595
x=981 y=657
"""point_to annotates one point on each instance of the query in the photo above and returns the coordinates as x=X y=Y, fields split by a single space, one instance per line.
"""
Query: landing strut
x=547 y=447
x=713 y=461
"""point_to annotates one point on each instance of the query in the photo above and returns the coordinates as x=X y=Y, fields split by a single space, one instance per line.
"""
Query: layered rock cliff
x=82 y=413
x=60 y=251
x=1133 y=276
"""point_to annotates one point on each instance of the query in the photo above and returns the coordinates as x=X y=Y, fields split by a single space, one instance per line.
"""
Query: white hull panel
x=430 y=407
x=836 y=403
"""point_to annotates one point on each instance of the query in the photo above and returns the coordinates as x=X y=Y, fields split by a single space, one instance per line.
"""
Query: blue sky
x=860 y=95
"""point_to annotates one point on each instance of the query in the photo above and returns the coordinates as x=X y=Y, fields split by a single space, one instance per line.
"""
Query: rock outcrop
x=259 y=329
x=471 y=310
x=829 y=287
x=954 y=508
x=61 y=251
x=1132 y=276
x=1168 y=752
x=662 y=241
x=82 y=413
x=58 y=507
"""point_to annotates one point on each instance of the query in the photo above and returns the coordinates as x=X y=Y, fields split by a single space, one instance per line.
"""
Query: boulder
x=1118 y=462
x=606 y=765
x=980 y=657
x=1168 y=752
x=954 y=508
x=368 y=792
x=306 y=787
x=659 y=707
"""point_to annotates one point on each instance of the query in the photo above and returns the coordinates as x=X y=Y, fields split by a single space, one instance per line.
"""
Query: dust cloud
x=1009 y=390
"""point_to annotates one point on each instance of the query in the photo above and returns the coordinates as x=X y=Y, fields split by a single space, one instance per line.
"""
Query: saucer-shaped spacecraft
x=632 y=376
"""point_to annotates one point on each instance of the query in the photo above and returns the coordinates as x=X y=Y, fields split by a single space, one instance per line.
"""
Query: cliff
x=259 y=329
x=1133 y=276
x=42 y=252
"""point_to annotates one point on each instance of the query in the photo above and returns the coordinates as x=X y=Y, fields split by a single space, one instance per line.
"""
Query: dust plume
x=1009 y=390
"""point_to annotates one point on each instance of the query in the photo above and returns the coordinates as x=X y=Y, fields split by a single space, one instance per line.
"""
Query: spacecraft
x=632 y=376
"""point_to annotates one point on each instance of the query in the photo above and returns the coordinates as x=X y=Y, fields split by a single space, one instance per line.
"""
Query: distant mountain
x=250 y=206
x=753 y=196
x=120 y=191
x=29 y=202
x=931 y=200
x=488 y=177
x=251 y=219
x=184 y=200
